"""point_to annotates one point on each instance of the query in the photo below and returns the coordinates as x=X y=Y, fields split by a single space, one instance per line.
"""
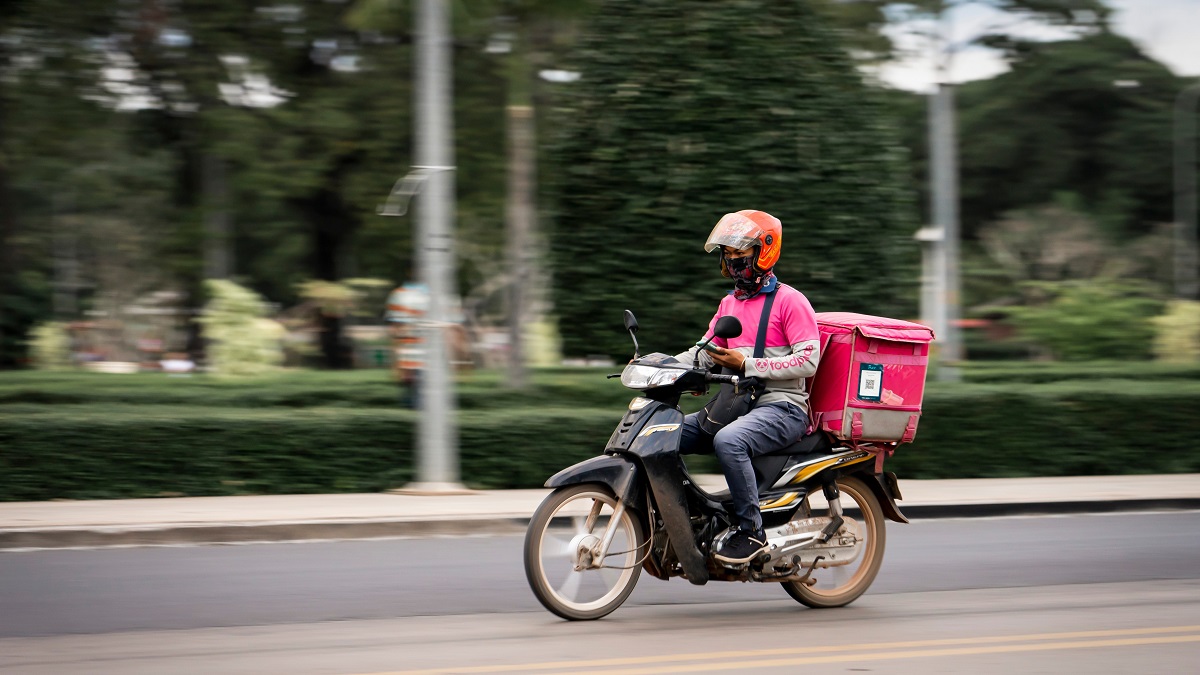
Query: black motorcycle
x=636 y=507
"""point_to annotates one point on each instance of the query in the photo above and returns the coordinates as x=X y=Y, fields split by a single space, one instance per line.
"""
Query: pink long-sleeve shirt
x=793 y=343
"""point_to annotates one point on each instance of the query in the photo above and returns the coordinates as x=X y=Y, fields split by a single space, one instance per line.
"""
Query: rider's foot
x=742 y=546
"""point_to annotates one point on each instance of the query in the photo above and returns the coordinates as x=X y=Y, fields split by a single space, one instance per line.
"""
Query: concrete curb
x=285 y=531
x=991 y=510
x=244 y=533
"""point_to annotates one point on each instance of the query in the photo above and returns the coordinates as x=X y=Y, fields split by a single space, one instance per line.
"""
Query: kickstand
x=804 y=579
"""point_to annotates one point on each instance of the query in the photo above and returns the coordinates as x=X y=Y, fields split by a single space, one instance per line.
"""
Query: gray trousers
x=764 y=429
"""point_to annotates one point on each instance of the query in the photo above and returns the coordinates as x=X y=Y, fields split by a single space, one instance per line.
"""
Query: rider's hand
x=730 y=358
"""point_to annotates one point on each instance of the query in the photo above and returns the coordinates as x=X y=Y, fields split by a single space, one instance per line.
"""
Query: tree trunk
x=332 y=225
x=66 y=267
x=8 y=226
x=218 y=221
x=520 y=215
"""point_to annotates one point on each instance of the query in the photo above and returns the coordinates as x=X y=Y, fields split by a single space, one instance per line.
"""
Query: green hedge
x=1058 y=429
x=586 y=387
x=1031 y=372
x=300 y=389
x=85 y=452
x=112 y=451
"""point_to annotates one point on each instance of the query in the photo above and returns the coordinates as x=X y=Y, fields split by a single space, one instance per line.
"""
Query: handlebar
x=731 y=379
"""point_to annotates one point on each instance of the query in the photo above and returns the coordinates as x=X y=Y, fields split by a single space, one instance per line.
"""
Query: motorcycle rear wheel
x=839 y=586
x=549 y=559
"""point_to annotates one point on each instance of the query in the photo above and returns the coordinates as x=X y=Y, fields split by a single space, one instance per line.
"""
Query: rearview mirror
x=632 y=326
x=728 y=327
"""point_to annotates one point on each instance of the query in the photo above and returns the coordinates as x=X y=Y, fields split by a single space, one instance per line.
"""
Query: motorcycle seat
x=768 y=467
x=817 y=441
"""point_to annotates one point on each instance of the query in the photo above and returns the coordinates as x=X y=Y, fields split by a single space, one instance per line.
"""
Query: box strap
x=820 y=417
x=910 y=431
x=880 y=452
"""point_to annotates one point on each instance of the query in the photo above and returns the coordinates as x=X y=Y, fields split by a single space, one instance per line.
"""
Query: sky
x=1167 y=30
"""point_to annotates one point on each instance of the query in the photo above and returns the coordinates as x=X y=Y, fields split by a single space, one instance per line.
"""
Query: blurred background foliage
x=1178 y=336
x=647 y=159
x=150 y=146
x=255 y=141
x=245 y=341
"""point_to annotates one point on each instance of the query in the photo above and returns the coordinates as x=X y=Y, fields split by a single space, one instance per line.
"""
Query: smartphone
x=708 y=347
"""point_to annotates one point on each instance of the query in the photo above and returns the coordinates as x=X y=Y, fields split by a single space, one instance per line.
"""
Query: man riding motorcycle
x=750 y=242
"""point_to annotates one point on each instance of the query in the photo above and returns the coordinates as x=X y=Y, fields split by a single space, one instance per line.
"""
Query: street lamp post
x=943 y=170
x=437 y=442
x=933 y=305
x=1185 y=193
x=943 y=187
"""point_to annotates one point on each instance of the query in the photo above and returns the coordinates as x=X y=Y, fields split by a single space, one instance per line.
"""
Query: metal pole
x=944 y=195
x=437 y=465
x=933 y=307
x=1185 y=194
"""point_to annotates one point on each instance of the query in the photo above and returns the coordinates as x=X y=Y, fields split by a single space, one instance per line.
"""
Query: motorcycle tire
x=834 y=587
x=562 y=519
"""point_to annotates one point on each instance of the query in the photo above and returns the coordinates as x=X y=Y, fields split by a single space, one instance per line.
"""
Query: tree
x=7 y=211
x=50 y=346
x=1050 y=243
x=876 y=31
x=58 y=158
x=305 y=110
x=1090 y=116
x=200 y=62
x=531 y=45
x=244 y=341
x=754 y=106
x=526 y=34
x=1080 y=131
x=1177 y=332
x=1096 y=319
x=270 y=130
x=1054 y=243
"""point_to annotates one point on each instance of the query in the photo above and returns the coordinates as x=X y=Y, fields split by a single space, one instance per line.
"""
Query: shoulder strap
x=760 y=343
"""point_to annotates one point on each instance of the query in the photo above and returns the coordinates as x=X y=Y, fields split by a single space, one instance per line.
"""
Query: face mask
x=741 y=270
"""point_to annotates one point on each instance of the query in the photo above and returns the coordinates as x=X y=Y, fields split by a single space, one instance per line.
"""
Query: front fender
x=617 y=472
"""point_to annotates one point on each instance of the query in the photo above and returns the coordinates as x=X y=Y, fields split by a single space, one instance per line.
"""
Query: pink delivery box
x=871 y=377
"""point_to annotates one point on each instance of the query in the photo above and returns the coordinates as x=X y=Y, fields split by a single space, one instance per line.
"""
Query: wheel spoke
x=556 y=547
x=836 y=576
x=840 y=584
x=611 y=576
x=570 y=587
x=581 y=516
x=580 y=524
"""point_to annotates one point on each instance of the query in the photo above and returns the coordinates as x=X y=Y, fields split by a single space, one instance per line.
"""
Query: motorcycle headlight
x=648 y=377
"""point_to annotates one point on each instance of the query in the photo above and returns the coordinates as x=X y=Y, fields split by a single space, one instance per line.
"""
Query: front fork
x=592 y=557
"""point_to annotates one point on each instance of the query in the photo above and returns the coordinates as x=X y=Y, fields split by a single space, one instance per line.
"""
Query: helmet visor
x=735 y=231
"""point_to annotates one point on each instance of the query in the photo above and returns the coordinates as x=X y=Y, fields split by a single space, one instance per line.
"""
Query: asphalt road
x=1109 y=588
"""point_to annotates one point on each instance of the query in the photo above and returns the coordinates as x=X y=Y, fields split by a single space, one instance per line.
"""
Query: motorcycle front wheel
x=559 y=564
x=839 y=586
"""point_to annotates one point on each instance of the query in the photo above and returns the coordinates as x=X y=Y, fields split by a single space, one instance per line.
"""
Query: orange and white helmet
x=749 y=229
